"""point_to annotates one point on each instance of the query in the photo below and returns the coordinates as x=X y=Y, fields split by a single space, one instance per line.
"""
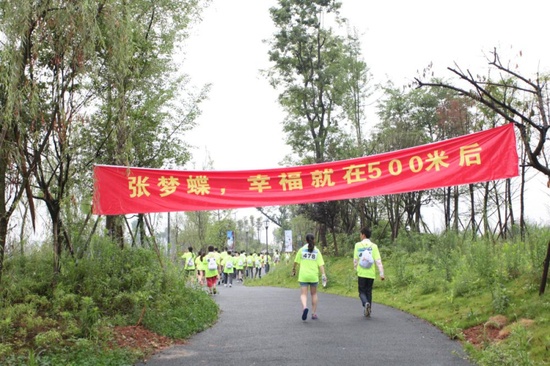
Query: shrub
x=501 y=298
x=404 y=273
x=48 y=339
x=428 y=284
x=5 y=350
x=481 y=258
x=64 y=302
x=88 y=316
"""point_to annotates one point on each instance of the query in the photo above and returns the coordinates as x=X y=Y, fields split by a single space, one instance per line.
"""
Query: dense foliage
x=73 y=322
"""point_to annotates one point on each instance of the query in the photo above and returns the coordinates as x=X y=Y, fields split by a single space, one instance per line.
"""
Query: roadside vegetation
x=482 y=293
x=456 y=283
x=74 y=323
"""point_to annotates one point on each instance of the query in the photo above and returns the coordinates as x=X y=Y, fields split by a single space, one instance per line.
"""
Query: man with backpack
x=189 y=262
x=211 y=263
x=365 y=254
x=228 y=265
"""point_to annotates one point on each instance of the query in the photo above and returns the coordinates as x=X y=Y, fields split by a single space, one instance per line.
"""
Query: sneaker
x=304 y=314
x=225 y=285
x=367 y=310
x=230 y=285
x=314 y=317
x=215 y=291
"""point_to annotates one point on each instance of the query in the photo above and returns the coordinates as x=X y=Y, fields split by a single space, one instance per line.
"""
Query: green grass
x=73 y=322
x=451 y=282
x=429 y=296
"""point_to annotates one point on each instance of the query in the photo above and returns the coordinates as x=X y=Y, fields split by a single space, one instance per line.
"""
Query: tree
x=138 y=125
x=70 y=68
x=515 y=99
x=311 y=68
x=407 y=119
x=51 y=47
x=321 y=81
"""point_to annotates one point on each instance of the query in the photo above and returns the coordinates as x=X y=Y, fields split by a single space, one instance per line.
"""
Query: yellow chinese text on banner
x=478 y=157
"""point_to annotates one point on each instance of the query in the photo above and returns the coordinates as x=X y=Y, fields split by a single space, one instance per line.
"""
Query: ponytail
x=310 y=242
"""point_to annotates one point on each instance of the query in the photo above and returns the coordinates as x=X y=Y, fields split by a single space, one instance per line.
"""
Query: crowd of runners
x=212 y=268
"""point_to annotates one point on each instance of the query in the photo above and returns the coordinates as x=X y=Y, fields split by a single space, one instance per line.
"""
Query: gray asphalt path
x=263 y=326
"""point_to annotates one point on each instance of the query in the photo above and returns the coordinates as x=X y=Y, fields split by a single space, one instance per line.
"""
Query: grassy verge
x=452 y=306
x=456 y=284
x=73 y=323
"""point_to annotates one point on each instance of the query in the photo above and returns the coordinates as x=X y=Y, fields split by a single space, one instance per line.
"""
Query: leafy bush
x=512 y=259
x=404 y=271
x=48 y=339
x=65 y=302
x=70 y=323
x=27 y=275
x=501 y=298
x=5 y=350
x=465 y=281
x=429 y=284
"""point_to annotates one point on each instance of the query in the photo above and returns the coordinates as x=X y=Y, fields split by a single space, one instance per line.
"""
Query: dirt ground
x=139 y=338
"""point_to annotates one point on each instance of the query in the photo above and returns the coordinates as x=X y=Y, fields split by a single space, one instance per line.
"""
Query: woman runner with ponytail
x=310 y=259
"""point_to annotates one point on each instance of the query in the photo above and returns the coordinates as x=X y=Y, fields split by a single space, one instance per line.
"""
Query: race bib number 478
x=308 y=255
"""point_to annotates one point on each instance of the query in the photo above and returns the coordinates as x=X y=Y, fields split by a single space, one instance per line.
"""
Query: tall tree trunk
x=323 y=234
x=115 y=230
x=510 y=206
x=472 y=211
x=3 y=236
x=132 y=233
x=418 y=214
x=394 y=217
x=54 y=216
x=486 y=228
x=447 y=207
x=522 y=204
x=335 y=242
x=499 y=225
x=455 y=208
x=4 y=217
x=141 y=230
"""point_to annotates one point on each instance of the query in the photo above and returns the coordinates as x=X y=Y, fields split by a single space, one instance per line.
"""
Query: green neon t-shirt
x=211 y=272
x=359 y=248
x=188 y=260
x=239 y=262
x=309 y=264
x=228 y=264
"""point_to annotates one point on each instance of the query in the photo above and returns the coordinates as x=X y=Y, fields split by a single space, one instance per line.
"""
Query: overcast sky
x=240 y=127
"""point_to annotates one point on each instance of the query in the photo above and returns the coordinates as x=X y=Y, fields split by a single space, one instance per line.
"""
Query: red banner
x=478 y=157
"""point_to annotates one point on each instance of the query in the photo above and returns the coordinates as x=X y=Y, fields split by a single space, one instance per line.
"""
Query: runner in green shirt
x=200 y=268
x=310 y=260
x=258 y=263
x=240 y=262
x=250 y=265
x=189 y=262
x=228 y=268
x=211 y=263
x=366 y=276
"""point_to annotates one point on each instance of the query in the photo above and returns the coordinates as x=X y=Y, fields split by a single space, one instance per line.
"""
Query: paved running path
x=263 y=326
